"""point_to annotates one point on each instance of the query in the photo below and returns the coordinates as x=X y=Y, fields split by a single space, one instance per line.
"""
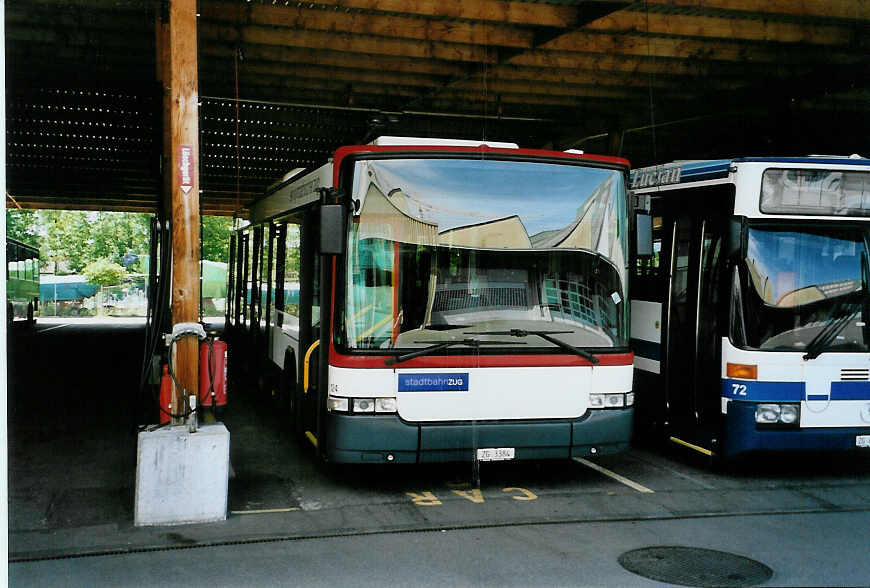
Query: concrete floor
x=72 y=463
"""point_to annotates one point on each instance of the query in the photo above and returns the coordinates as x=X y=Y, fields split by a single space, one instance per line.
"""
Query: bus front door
x=692 y=368
x=309 y=389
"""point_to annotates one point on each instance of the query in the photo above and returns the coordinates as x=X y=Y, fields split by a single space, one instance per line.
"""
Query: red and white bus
x=431 y=300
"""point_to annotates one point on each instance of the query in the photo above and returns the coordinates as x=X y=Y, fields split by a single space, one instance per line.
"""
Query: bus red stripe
x=468 y=361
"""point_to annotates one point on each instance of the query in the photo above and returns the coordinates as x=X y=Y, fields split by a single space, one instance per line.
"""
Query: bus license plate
x=862 y=441
x=495 y=454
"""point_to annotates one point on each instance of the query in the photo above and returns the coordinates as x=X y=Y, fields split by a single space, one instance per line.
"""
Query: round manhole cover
x=692 y=566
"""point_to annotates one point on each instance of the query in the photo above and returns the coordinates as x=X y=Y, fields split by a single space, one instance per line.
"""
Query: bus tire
x=31 y=320
x=10 y=314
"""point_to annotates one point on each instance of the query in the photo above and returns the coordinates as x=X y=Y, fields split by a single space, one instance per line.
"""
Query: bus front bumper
x=744 y=436
x=388 y=439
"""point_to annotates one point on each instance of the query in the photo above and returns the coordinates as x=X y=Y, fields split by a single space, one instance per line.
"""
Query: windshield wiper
x=546 y=336
x=439 y=346
x=818 y=344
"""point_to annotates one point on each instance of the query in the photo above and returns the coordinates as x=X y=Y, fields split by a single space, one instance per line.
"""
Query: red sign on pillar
x=185 y=168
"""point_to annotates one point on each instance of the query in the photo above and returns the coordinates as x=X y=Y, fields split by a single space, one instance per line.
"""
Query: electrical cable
x=158 y=308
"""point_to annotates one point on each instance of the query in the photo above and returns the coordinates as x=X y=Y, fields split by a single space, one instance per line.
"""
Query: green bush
x=105 y=272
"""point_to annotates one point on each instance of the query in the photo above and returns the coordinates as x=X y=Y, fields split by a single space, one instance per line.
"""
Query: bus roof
x=424 y=141
x=682 y=172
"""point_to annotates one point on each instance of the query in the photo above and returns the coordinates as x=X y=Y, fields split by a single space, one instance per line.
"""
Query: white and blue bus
x=456 y=301
x=749 y=313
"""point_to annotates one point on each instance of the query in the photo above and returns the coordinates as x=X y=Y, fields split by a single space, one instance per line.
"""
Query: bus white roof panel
x=296 y=193
x=434 y=142
x=684 y=172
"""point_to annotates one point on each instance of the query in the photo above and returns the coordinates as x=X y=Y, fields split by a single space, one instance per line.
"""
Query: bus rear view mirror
x=333 y=229
x=644 y=235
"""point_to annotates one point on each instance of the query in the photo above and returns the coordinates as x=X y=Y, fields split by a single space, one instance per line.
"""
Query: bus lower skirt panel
x=388 y=439
x=742 y=435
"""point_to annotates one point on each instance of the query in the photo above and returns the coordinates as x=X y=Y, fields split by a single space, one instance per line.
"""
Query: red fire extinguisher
x=213 y=365
x=165 y=395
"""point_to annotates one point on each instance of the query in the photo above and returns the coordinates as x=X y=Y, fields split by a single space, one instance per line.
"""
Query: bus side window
x=651 y=266
x=14 y=265
x=290 y=273
x=648 y=271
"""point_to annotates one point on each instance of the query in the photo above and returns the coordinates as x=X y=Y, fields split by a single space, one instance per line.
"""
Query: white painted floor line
x=614 y=475
x=40 y=331
x=265 y=510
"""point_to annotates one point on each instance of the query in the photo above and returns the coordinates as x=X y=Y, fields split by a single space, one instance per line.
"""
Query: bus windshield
x=796 y=282
x=440 y=248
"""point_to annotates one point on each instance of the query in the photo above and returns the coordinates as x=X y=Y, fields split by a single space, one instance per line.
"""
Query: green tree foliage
x=216 y=238
x=115 y=234
x=23 y=225
x=67 y=236
x=78 y=237
x=75 y=238
x=105 y=272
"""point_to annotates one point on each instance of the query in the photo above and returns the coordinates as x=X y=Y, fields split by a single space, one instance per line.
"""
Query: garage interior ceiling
x=283 y=83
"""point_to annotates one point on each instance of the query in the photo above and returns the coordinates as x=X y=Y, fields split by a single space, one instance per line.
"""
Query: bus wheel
x=30 y=319
x=10 y=314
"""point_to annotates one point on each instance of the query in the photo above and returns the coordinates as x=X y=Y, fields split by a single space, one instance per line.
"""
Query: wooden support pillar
x=181 y=71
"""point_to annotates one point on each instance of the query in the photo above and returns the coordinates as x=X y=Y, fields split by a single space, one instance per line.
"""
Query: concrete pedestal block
x=181 y=477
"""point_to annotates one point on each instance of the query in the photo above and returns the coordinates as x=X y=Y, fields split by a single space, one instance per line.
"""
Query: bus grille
x=855 y=374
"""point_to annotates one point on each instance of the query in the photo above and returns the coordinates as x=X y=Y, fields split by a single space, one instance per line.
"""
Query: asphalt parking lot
x=72 y=463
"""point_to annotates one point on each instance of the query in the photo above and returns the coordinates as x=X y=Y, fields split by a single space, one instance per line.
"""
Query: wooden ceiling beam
x=372 y=89
x=349 y=75
x=361 y=44
x=504 y=87
x=549 y=65
x=709 y=28
x=500 y=11
x=509 y=90
x=608 y=64
x=513 y=95
x=557 y=81
x=327 y=58
x=642 y=45
x=858 y=10
x=392 y=26
x=662 y=79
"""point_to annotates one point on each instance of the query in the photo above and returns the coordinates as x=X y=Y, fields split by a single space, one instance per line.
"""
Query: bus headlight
x=778 y=414
x=361 y=405
x=790 y=414
x=767 y=414
x=385 y=405
x=364 y=405
x=614 y=400
x=611 y=400
x=337 y=404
